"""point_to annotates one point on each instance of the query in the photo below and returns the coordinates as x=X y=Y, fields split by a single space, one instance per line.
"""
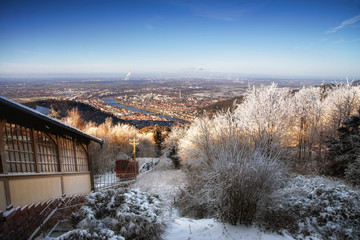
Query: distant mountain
x=89 y=113
x=356 y=82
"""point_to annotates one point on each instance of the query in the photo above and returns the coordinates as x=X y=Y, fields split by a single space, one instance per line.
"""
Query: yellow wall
x=74 y=184
x=2 y=197
x=28 y=191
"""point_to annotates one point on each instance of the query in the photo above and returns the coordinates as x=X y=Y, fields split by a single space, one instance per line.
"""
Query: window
x=47 y=155
x=67 y=155
x=18 y=149
x=81 y=157
x=21 y=144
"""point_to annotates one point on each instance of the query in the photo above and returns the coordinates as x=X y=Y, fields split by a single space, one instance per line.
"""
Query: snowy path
x=165 y=182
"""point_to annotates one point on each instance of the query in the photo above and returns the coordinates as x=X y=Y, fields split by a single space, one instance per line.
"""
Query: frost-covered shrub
x=127 y=213
x=352 y=172
x=315 y=207
x=242 y=183
x=98 y=234
x=191 y=204
x=228 y=173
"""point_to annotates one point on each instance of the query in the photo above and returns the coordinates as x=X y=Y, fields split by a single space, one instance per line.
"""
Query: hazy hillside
x=87 y=112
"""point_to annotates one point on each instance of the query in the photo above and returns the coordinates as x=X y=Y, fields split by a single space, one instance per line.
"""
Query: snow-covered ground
x=210 y=229
x=166 y=182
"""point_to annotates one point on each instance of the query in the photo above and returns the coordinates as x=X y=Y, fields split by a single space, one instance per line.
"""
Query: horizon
x=123 y=77
x=262 y=38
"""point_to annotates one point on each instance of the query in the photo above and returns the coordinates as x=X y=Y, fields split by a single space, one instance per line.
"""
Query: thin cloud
x=344 y=23
x=219 y=14
x=311 y=45
x=149 y=27
x=197 y=68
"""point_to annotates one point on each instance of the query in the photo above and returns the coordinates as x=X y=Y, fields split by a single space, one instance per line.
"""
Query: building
x=41 y=158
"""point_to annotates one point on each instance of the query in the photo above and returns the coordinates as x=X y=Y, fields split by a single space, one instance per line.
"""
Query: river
x=112 y=101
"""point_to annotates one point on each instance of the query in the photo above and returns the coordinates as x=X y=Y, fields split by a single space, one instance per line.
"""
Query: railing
x=109 y=180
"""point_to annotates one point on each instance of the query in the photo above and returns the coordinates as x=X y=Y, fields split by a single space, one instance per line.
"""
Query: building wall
x=2 y=196
x=32 y=190
x=74 y=184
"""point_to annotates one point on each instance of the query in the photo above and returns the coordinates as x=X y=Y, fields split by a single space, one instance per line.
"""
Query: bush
x=242 y=184
x=82 y=234
x=227 y=173
x=313 y=207
x=127 y=213
x=352 y=172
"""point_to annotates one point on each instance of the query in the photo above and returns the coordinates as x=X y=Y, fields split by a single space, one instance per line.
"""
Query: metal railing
x=109 y=180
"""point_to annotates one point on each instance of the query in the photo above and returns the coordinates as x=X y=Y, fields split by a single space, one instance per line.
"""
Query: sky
x=260 y=37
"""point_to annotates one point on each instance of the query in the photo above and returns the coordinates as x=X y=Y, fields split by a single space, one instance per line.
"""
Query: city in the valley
x=148 y=101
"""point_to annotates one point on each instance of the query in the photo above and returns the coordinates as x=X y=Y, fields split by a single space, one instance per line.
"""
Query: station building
x=41 y=158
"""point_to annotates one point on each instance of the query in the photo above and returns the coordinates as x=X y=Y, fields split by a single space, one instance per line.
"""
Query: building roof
x=28 y=117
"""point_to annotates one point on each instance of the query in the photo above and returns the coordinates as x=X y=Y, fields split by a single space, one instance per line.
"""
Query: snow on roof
x=34 y=113
x=43 y=110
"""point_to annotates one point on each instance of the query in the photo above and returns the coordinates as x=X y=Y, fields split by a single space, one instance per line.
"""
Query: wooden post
x=90 y=166
x=75 y=154
x=58 y=151
x=3 y=167
x=134 y=142
x=35 y=150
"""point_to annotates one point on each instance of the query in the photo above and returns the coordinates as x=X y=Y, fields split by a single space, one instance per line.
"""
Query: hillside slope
x=88 y=113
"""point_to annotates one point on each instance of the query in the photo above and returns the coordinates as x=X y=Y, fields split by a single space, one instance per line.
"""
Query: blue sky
x=260 y=37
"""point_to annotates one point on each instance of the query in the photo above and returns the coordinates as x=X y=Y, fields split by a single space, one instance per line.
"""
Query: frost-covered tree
x=117 y=141
x=307 y=126
x=341 y=103
x=74 y=119
x=158 y=138
x=265 y=111
x=344 y=151
x=171 y=143
x=53 y=113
